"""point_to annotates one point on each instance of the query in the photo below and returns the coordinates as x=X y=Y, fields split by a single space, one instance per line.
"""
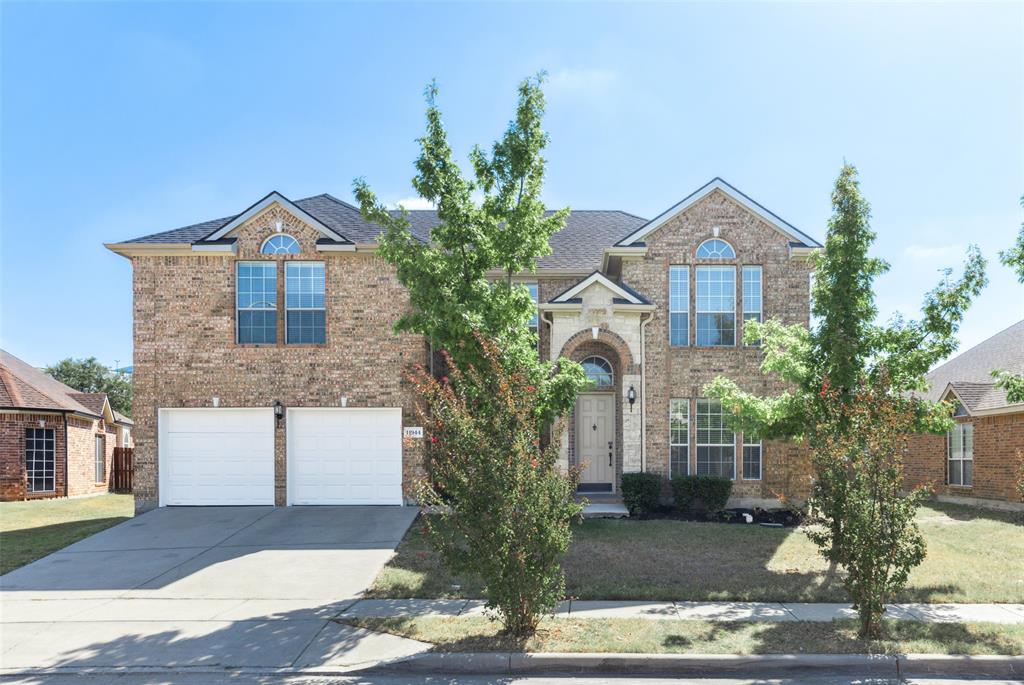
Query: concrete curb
x=711 y=665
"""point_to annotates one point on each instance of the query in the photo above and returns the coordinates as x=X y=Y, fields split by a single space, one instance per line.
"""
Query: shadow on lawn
x=655 y=560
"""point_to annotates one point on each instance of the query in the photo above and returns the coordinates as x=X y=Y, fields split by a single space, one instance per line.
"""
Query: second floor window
x=305 y=314
x=752 y=307
x=256 y=301
x=679 y=305
x=716 y=306
x=535 y=319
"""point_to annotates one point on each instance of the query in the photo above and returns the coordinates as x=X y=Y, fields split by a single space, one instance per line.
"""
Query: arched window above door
x=599 y=373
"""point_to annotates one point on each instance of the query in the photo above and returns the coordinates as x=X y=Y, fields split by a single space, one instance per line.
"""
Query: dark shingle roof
x=580 y=245
x=26 y=387
x=971 y=372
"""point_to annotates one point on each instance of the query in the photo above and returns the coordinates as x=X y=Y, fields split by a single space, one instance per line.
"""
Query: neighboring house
x=54 y=440
x=266 y=370
x=980 y=460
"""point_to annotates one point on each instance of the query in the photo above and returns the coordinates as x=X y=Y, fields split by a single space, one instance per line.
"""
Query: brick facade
x=681 y=372
x=998 y=451
x=185 y=350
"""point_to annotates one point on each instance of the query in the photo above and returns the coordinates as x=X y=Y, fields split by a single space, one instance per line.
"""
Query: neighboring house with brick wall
x=980 y=460
x=266 y=369
x=54 y=440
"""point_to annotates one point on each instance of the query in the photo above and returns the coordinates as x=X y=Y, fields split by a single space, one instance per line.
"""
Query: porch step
x=603 y=506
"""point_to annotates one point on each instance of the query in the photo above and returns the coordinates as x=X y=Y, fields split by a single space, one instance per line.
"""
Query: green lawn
x=30 y=530
x=974 y=555
x=478 y=634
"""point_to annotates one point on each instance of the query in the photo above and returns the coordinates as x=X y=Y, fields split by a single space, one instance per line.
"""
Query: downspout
x=643 y=390
x=67 y=493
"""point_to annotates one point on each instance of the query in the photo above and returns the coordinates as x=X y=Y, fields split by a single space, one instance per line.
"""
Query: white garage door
x=216 y=456
x=344 y=456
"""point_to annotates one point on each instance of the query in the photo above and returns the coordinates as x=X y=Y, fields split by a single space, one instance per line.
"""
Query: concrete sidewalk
x=708 y=611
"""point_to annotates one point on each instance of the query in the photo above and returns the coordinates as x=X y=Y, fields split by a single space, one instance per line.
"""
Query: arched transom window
x=599 y=373
x=715 y=248
x=280 y=244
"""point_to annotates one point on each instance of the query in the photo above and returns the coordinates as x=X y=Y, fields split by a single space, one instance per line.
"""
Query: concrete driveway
x=205 y=587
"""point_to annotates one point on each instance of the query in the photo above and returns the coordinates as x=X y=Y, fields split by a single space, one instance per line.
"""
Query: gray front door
x=595 y=441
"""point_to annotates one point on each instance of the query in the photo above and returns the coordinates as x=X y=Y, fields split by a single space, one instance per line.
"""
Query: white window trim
x=288 y=309
x=699 y=444
x=711 y=240
x=24 y=456
x=960 y=430
x=671 y=413
x=696 y=304
x=686 y=279
x=263 y=245
x=611 y=374
x=238 y=319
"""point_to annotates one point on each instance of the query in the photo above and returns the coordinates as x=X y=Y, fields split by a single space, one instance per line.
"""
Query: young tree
x=88 y=375
x=846 y=352
x=1013 y=257
x=507 y=507
x=495 y=223
x=863 y=439
x=504 y=508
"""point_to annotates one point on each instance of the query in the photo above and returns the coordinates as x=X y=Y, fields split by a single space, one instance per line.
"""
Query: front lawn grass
x=30 y=530
x=974 y=555
x=478 y=634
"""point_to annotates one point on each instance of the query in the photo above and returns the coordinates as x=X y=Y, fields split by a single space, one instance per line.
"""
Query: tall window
x=679 y=305
x=716 y=444
x=716 y=306
x=752 y=293
x=535 y=318
x=101 y=459
x=40 y=459
x=715 y=249
x=679 y=437
x=304 y=302
x=751 y=457
x=960 y=448
x=256 y=300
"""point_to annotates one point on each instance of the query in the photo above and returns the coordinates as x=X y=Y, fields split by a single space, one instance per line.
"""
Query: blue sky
x=121 y=119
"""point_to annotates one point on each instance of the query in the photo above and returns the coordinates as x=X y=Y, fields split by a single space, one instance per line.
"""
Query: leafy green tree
x=1013 y=257
x=88 y=375
x=504 y=509
x=863 y=440
x=493 y=223
x=845 y=353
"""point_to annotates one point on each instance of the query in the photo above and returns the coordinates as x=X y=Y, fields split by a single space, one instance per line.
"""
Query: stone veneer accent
x=186 y=351
x=997 y=455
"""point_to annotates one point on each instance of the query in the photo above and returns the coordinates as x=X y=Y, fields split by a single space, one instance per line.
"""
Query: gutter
x=643 y=390
x=67 y=471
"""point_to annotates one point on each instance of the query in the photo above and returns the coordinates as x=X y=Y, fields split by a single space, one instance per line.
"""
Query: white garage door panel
x=217 y=456
x=345 y=456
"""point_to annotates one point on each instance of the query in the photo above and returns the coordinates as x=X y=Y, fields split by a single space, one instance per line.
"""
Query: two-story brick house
x=267 y=371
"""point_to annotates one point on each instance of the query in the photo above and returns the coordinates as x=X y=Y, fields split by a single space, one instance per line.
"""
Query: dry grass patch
x=478 y=634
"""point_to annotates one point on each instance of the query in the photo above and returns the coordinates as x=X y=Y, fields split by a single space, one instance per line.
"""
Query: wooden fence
x=121 y=474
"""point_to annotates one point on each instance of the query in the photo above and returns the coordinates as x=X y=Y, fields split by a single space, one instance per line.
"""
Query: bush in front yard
x=640 y=492
x=710 y=491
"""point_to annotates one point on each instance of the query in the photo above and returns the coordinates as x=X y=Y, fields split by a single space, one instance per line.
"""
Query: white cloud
x=412 y=203
x=582 y=81
x=933 y=253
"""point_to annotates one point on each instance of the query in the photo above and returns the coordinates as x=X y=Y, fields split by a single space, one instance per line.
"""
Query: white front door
x=595 y=441
x=216 y=456
x=344 y=456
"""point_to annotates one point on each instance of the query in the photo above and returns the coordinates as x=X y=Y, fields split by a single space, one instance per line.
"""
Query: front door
x=595 y=441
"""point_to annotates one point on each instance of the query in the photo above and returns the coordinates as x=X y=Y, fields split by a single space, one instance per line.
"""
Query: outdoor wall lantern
x=278 y=409
x=631 y=396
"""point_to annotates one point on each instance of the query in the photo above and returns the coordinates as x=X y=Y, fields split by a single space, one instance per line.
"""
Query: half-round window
x=280 y=244
x=599 y=373
x=715 y=249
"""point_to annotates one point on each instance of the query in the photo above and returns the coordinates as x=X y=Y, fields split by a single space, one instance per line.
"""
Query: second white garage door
x=344 y=456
